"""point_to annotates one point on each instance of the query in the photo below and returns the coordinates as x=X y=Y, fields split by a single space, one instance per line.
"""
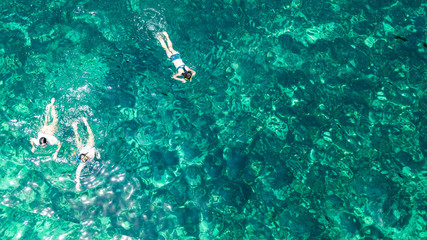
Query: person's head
x=187 y=75
x=84 y=158
x=43 y=142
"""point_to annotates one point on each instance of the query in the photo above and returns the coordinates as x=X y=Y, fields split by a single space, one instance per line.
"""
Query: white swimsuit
x=51 y=140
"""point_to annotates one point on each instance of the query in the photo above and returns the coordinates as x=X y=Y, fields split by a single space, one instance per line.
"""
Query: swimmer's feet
x=74 y=125
x=166 y=34
x=85 y=121
x=52 y=101
x=159 y=36
x=167 y=39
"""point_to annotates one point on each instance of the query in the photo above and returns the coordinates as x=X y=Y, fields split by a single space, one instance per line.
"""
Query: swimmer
x=86 y=153
x=182 y=70
x=46 y=133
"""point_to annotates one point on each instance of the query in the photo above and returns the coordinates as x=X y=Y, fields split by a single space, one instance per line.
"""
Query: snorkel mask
x=84 y=158
x=186 y=74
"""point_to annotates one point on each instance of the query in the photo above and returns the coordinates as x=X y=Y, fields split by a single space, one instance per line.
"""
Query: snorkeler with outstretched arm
x=86 y=153
x=182 y=70
x=46 y=133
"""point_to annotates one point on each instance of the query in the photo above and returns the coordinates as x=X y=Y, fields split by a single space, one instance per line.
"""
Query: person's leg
x=91 y=139
x=162 y=42
x=170 y=45
x=76 y=134
x=78 y=172
x=47 y=113
x=50 y=112
x=54 y=115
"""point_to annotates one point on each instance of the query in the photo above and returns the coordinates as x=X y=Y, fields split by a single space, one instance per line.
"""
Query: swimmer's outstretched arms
x=184 y=73
x=46 y=133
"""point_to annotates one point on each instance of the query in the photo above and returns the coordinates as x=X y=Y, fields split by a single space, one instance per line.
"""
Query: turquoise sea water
x=306 y=119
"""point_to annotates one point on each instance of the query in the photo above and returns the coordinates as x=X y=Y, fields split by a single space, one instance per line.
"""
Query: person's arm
x=56 y=152
x=78 y=172
x=192 y=72
x=76 y=134
x=91 y=138
x=32 y=140
x=175 y=76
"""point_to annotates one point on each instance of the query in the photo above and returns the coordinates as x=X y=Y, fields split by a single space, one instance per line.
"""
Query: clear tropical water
x=306 y=119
